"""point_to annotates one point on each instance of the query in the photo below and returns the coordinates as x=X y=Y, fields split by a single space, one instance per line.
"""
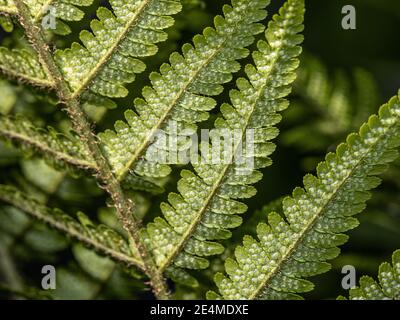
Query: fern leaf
x=388 y=287
x=7 y=7
x=55 y=147
x=206 y=207
x=108 y=57
x=181 y=91
x=298 y=244
x=330 y=97
x=63 y=10
x=23 y=66
x=101 y=238
x=344 y=102
x=6 y=23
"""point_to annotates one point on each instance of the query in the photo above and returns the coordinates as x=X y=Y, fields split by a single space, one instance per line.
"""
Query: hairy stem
x=81 y=125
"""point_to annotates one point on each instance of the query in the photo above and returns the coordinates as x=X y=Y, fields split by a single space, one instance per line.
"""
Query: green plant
x=115 y=174
x=388 y=287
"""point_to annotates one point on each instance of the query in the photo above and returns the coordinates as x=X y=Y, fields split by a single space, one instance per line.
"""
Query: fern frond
x=6 y=23
x=101 y=238
x=54 y=147
x=388 y=287
x=367 y=95
x=108 y=58
x=298 y=244
x=181 y=92
x=330 y=98
x=206 y=208
x=63 y=10
x=29 y=293
x=24 y=66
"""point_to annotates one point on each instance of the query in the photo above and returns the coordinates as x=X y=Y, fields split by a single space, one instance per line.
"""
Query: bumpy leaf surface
x=207 y=207
x=298 y=243
x=388 y=287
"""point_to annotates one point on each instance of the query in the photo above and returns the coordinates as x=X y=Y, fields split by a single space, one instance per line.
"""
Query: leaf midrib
x=320 y=213
x=41 y=12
